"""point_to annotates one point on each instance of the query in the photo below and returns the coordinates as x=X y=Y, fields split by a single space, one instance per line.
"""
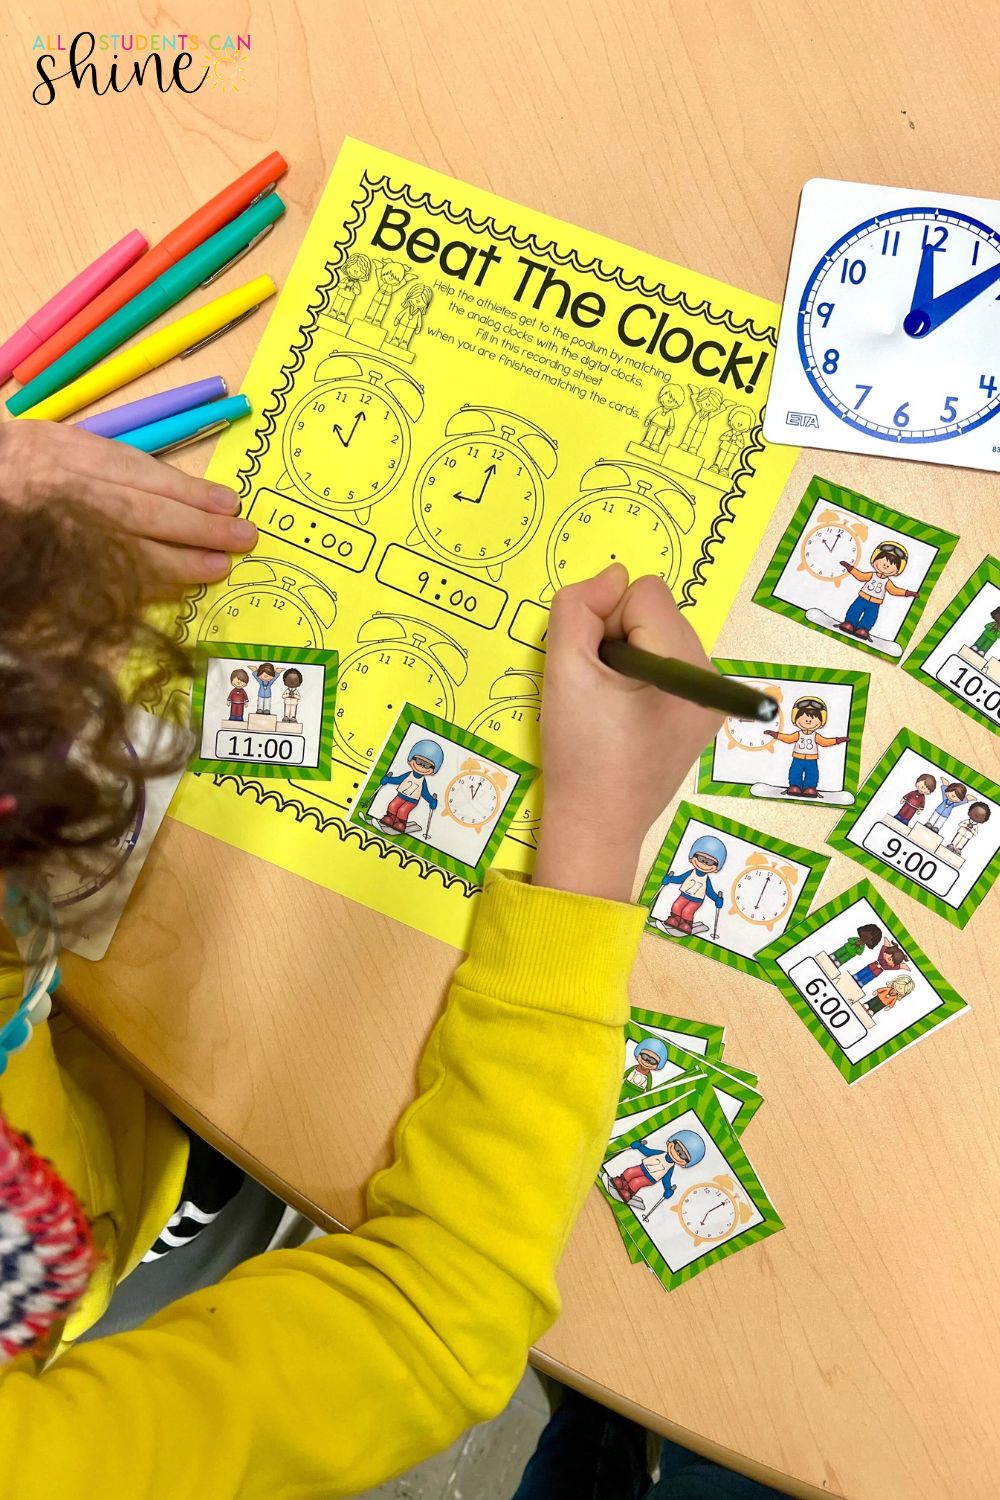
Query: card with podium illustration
x=859 y=981
x=959 y=657
x=264 y=710
x=460 y=405
x=929 y=824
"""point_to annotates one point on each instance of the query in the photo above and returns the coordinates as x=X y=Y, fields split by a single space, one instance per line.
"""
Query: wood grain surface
x=854 y=1354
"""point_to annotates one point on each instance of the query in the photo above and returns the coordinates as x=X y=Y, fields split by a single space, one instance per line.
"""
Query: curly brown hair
x=71 y=610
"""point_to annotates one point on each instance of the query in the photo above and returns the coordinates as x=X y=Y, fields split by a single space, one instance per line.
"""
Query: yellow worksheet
x=459 y=405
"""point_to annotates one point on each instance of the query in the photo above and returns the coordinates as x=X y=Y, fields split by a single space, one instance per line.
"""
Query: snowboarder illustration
x=808 y=715
x=888 y=559
x=707 y=856
x=739 y=421
x=238 y=697
x=886 y=997
x=978 y=814
x=955 y=794
x=658 y=427
x=685 y=1148
x=916 y=800
x=650 y=1056
x=425 y=759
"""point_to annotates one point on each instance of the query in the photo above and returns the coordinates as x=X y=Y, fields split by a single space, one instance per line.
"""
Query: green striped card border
x=987 y=572
x=692 y=1066
x=714 y=1036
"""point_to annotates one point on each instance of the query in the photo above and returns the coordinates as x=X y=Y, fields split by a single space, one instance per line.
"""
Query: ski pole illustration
x=648 y=1215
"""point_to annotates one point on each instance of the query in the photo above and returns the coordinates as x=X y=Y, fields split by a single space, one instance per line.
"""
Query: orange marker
x=178 y=243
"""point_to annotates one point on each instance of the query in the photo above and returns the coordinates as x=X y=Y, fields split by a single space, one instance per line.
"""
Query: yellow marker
x=181 y=337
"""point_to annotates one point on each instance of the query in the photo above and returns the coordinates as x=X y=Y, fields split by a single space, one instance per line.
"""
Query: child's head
x=903 y=986
x=870 y=934
x=650 y=1054
x=418 y=298
x=740 y=419
x=266 y=669
x=979 y=812
x=889 y=559
x=70 y=783
x=956 y=792
x=706 y=399
x=670 y=398
x=995 y=615
x=708 y=854
x=393 y=275
x=927 y=783
x=685 y=1148
x=358 y=267
x=808 y=714
x=425 y=758
x=292 y=678
x=239 y=678
x=892 y=956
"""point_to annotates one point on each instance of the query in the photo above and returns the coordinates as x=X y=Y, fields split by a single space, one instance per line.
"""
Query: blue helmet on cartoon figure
x=654 y=1047
x=692 y=1143
x=711 y=847
x=427 y=750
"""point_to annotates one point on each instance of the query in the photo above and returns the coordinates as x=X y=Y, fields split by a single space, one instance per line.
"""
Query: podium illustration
x=847 y=988
x=264 y=724
x=989 y=666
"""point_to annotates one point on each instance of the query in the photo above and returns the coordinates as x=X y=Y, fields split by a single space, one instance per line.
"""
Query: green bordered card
x=860 y=982
x=652 y=1064
x=929 y=824
x=726 y=890
x=853 y=568
x=959 y=657
x=442 y=792
x=697 y=1036
x=810 y=753
x=682 y=1188
x=260 y=710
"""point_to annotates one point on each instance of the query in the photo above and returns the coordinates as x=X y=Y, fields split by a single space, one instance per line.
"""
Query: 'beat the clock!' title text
x=655 y=330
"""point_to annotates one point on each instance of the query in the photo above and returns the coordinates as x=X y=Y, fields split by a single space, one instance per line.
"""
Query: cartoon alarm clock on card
x=625 y=512
x=711 y=1210
x=511 y=720
x=763 y=893
x=473 y=797
x=833 y=541
x=750 y=734
x=346 y=442
x=271 y=600
x=399 y=659
x=478 y=498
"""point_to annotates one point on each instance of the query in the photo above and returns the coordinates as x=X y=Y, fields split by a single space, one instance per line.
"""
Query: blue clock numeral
x=950 y=409
x=831 y=359
x=853 y=271
x=902 y=415
x=885 y=242
x=988 y=386
x=942 y=235
x=867 y=392
x=824 y=310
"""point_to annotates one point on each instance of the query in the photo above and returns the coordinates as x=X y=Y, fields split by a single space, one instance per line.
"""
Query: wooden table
x=853 y=1355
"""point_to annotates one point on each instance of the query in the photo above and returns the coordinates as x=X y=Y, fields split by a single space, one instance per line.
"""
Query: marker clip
x=239 y=255
x=196 y=437
x=219 y=332
x=263 y=193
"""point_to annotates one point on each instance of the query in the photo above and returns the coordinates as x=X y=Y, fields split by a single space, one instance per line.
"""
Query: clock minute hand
x=921 y=320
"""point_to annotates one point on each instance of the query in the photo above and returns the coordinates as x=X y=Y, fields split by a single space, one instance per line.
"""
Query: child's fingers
x=648 y=618
x=579 y=611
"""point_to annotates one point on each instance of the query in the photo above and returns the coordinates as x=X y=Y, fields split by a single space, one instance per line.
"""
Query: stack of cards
x=678 y=1180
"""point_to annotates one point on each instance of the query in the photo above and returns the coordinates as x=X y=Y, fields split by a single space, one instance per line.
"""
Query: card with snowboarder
x=854 y=568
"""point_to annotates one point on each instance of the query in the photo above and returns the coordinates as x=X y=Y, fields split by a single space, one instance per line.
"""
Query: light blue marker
x=186 y=426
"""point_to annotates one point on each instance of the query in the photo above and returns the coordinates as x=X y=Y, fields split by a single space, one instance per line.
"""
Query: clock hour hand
x=922 y=319
x=923 y=292
x=358 y=417
x=491 y=470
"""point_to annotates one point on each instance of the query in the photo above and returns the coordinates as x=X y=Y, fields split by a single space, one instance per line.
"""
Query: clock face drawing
x=472 y=798
x=346 y=442
x=763 y=893
x=823 y=549
x=271 y=600
x=915 y=372
x=751 y=734
x=635 y=518
x=512 y=720
x=709 y=1211
x=398 y=660
x=478 y=499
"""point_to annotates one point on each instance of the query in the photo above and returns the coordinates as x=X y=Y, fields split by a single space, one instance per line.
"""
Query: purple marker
x=136 y=414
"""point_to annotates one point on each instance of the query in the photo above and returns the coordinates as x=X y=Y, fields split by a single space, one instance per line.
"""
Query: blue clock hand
x=919 y=321
x=923 y=292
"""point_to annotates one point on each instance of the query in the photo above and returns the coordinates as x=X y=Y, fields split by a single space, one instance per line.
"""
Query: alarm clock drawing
x=711 y=1210
x=479 y=497
x=399 y=659
x=625 y=512
x=473 y=797
x=274 y=601
x=511 y=720
x=751 y=734
x=891 y=325
x=764 y=891
x=832 y=542
x=346 y=442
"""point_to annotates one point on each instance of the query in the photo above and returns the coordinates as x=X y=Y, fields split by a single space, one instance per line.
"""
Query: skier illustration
x=685 y=1148
x=707 y=856
x=650 y=1056
x=424 y=760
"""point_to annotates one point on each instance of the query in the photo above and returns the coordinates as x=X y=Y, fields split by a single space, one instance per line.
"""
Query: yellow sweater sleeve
x=323 y=1371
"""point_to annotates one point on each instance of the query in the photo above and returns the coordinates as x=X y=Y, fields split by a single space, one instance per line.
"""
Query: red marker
x=178 y=243
x=76 y=295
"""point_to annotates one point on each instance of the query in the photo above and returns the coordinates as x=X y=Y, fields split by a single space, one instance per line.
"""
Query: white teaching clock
x=890 y=331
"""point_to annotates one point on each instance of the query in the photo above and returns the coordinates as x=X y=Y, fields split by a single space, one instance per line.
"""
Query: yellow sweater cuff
x=553 y=950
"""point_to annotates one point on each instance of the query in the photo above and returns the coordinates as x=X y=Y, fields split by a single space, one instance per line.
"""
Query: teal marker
x=201 y=265
x=186 y=426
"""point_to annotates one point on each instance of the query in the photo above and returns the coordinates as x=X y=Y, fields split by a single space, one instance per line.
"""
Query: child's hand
x=184 y=528
x=614 y=751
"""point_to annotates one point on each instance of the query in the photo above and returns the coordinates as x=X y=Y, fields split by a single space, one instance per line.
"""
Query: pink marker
x=67 y=303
